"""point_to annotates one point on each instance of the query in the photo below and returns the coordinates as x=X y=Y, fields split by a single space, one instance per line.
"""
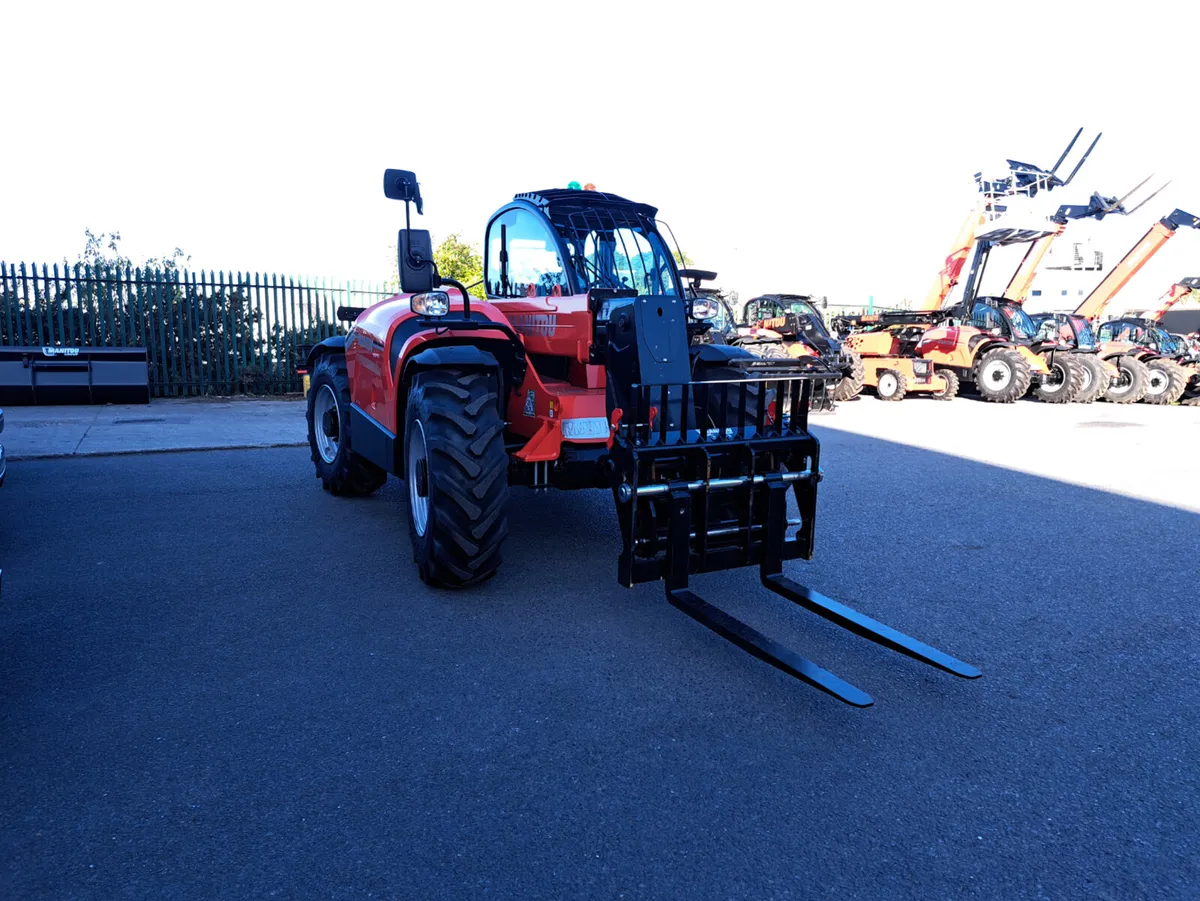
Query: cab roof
x=555 y=202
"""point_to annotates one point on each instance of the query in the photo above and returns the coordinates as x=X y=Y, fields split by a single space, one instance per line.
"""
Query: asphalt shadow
x=218 y=681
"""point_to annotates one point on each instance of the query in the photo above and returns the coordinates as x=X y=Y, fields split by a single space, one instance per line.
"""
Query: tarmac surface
x=217 y=681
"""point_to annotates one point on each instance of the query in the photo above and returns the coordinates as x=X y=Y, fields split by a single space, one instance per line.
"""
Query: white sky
x=792 y=147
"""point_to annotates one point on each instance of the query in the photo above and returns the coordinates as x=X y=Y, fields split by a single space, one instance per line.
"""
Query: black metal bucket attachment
x=705 y=487
x=74 y=375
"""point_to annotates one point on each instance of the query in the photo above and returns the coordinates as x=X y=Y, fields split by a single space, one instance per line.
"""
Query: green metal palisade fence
x=205 y=333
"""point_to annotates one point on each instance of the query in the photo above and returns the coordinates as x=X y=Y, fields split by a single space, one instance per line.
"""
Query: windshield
x=630 y=257
x=1084 y=336
x=802 y=307
x=1125 y=332
x=1167 y=344
x=1022 y=326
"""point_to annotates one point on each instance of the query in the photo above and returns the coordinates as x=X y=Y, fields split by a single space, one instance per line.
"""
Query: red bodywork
x=553 y=326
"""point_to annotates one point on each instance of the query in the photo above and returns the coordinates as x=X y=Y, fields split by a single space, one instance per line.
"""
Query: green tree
x=103 y=250
x=682 y=259
x=463 y=262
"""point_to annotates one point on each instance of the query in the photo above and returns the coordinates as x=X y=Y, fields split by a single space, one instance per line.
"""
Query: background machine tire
x=890 y=385
x=1165 y=383
x=1096 y=379
x=952 y=385
x=1065 y=381
x=1002 y=376
x=851 y=384
x=1131 y=387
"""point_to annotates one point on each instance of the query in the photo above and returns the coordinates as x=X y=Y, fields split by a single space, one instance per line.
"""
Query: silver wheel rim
x=1087 y=378
x=997 y=375
x=888 y=384
x=417 y=458
x=325 y=403
x=1158 y=381
x=1124 y=382
x=1057 y=380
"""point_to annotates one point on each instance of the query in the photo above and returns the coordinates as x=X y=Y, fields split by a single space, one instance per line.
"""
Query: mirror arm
x=461 y=290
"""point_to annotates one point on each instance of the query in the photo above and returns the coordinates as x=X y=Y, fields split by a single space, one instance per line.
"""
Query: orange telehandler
x=919 y=350
x=1025 y=180
x=1072 y=371
x=1134 y=380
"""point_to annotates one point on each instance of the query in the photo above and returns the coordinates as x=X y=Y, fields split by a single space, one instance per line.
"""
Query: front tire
x=1095 y=381
x=952 y=385
x=852 y=383
x=1130 y=387
x=890 y=385
x=342 y=472
x=456 y=469
x=1166 y=382
x=1064 y=382
x=1002 y=376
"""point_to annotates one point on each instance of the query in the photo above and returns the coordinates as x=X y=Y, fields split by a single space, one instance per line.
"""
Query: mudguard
x=333 y=345
x=466 y=356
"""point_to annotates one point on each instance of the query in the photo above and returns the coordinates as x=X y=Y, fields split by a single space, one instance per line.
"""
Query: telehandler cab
x=789 y=325
x=582 y=369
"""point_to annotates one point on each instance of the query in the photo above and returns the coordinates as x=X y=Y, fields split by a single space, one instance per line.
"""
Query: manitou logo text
x=543 y=325
x=60 y=351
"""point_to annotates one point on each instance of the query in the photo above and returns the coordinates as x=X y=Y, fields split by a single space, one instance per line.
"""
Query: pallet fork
x=771 y=573
x=700 y=496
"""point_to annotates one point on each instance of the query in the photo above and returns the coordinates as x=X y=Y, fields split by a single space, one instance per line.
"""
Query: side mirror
x=400 y=184
x=415 y=256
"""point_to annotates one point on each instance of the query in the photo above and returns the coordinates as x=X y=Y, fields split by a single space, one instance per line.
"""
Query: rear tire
x=1095 y=381
x=1064 y=382
x=952 y=385
x=456 y=469
x=1002 y=376
x=1131 y=386
x=1165 y=383
x=852 y=383
x=890 y=385
x=342 y=472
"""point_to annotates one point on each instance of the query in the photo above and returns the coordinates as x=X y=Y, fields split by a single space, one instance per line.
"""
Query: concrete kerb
x=164 y=426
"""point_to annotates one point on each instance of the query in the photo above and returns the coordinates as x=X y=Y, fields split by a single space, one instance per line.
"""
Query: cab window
x=986 y=317
x=523 y=258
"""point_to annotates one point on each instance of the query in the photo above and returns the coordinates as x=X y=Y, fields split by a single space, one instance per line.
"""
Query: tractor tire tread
x=1138 y=375
x=1072 y=376
x=1018 y=386
x=1099 y=384
x=851 y=385
x=467 y=476
x=1177 y=382
x=349 y=475
x=901 y=386
x=952 y=386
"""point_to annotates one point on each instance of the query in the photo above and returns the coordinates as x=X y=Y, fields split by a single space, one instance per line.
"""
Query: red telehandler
x=582 y=369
